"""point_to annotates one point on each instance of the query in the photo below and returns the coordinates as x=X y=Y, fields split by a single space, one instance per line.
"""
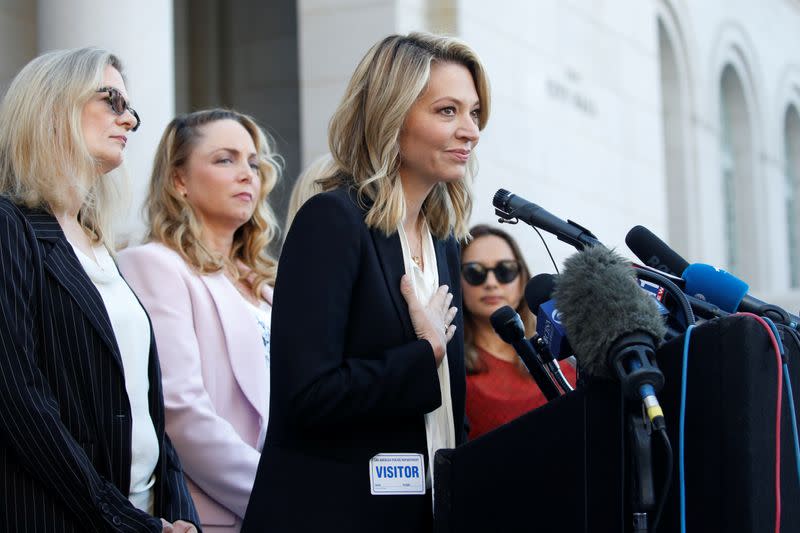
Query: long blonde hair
x=44 y=159
x=173 y=222
x=364 y=130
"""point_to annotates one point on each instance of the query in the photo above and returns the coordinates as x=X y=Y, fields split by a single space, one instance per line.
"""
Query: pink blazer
x=215 y=377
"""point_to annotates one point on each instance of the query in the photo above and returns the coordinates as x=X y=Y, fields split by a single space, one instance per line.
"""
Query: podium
x=565 y=467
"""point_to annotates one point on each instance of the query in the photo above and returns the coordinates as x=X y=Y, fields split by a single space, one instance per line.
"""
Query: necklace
x=418 y=258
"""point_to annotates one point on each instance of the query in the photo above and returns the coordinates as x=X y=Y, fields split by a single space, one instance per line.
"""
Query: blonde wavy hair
x=44 y=160
x=308 y=184
x=173 y=222
x=364 y=131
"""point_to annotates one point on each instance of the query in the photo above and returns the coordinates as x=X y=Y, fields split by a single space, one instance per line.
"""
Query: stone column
x=17 y=38
x=141 y=34
x=334 y=36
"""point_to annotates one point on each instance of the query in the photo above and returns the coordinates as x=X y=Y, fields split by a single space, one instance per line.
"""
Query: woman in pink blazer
x=205 y=279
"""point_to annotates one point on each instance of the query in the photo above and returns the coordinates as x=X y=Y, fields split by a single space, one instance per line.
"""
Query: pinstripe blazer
x=65 y=420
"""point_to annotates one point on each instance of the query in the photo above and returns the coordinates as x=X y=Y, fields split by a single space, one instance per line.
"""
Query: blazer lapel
x=242 y=340
x=455 y=364
x=441 y=263
x=61 y=262
x=390 y=255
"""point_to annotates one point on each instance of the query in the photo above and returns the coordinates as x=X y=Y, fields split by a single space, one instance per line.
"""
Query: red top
x=502 y=392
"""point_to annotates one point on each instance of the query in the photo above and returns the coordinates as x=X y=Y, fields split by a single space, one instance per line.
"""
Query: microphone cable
x=793 y=416
x=515 y=220
x=547 y=248
x=790 y=396
x=682 y=425
x=662 y=499
x=777 y=346
x=671 y=288
x=562 y=380
x=778 y=349
x=544 y=242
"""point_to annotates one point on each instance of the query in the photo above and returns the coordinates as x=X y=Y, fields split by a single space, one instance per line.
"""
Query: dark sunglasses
x=476 y=273
x=119 y=104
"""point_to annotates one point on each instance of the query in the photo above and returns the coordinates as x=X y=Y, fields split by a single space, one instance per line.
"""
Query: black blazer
x=65 y=420
x=349 y=379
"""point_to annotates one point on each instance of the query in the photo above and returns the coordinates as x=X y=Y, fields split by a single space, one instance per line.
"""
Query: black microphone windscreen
x=507 y=324
x=600 y=302
x=654 y=252
x=538 y=290
x=501 y=198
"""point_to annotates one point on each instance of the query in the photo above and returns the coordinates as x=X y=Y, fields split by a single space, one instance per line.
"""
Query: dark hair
x=472 y=360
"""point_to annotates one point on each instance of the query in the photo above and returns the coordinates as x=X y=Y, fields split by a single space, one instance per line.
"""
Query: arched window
x=673 y=106
x=792 y=173
x=737 y=166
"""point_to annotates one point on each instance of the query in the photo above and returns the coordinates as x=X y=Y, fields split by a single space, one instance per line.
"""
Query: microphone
x=550 y=341
x=656 y=281
x=654 y=252
x=729 y=293
x=510 y=206
x=613 y=326
x=508 y=325
x=539 y=297
x=718 y=287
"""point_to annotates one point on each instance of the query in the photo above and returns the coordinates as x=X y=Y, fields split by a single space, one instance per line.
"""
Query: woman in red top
x=499 y=388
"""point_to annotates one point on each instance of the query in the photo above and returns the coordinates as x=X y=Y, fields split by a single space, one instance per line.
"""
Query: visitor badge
x=397 y=474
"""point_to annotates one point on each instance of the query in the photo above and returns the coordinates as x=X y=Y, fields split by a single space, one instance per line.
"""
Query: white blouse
x=132 y=331
x=439 y=425
x=263 y=318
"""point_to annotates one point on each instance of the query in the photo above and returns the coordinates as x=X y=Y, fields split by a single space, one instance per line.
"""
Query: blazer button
x=105 y=507
x=116 y=520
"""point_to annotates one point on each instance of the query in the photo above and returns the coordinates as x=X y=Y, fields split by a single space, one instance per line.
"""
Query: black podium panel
x=564 y=467
x=537 y=473
x=730 y=429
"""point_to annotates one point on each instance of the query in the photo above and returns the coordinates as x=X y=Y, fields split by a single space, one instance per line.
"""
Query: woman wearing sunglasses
x=367 y=370
x=82 y=443
x=206 y=279
x=499 y=388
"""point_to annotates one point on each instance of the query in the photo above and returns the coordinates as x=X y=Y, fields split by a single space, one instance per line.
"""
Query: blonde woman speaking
x=367 y=356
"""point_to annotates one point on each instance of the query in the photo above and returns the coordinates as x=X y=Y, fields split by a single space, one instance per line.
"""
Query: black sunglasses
x=119 y=104
x=504 y=272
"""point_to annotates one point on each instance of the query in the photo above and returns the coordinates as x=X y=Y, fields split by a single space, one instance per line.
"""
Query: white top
x=263 y=319
x=439 y=426
x=132 y=331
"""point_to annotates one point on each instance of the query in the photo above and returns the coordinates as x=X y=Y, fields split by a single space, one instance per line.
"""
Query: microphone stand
x=642 y=491
x=550 y=363
x=640 y=379
x=508 y=326
x=538 y=372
